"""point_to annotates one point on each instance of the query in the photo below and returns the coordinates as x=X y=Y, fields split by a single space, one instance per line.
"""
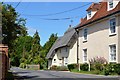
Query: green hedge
x=112 y=68
x=84 y=67
x=72 y=66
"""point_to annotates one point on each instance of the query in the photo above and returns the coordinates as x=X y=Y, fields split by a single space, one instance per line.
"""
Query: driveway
x=23 y=74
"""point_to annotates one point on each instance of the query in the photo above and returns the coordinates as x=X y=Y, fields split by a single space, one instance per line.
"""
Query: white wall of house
x=55 y=60
x=98 y=40
x=118 y=38
x=72 y=58
x=65 y=56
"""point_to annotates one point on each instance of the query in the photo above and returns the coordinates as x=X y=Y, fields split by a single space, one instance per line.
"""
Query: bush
x=97 y=63
x=98 y=66
x=100 y=60
x=54 y=67
x=112 y=68
x=117 y=70
x=106 y=71
x=72 y=66
x=22 y=65
x=84 y=67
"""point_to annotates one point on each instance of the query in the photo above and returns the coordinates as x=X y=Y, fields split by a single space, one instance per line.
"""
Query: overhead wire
x=18 y=4
x=65 y=18
x=57 y=12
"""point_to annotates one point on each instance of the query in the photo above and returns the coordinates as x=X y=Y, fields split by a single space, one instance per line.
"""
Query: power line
x=58 y=12
x=18 y=4
x=55 y=19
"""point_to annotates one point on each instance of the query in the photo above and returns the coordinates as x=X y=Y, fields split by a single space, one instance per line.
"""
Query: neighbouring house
x=63 y=51
x=97 y=35
x=99 y=32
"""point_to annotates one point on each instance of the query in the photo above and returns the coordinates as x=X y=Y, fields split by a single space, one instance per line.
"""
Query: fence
x=33 y=67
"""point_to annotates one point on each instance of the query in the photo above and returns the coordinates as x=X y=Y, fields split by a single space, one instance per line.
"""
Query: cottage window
x=112 y=25
x=112 y=52
x=54 y=60
x=66 y=49
x=85 y=34
x=110 y=4
x=84 y=55
x=89 y=13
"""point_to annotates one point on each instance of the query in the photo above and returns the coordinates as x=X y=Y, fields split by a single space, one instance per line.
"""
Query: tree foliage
x=23 y=49
x=12 y=25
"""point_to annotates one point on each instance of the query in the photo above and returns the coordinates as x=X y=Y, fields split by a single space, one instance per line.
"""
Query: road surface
x=23 y=74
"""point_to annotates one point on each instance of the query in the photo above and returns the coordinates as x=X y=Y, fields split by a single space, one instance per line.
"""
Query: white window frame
x=110 y=60
x=110 y=31
x=65 y=61
x=54 y=60
x=89 y=13
x=85 y=56
x=85 y=38
x=111 y=4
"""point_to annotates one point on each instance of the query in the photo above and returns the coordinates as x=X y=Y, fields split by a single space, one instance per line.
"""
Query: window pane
x=111 y=4
x=85 y=54
x=85 y=34
x=113 y=52
x=112 y=25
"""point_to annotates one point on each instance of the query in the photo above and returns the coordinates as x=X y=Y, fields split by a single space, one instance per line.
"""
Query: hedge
x=84 y=67
x=72 y=66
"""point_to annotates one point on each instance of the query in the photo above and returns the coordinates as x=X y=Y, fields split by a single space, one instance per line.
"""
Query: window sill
x=112 y=34
x=84 y=41
x=112 y=61
x=85 y=61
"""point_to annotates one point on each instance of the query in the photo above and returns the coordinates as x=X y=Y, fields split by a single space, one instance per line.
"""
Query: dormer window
x=111 y=4
x=89 y=13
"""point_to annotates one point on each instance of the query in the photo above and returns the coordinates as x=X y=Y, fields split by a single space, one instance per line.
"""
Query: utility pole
x=78 y=62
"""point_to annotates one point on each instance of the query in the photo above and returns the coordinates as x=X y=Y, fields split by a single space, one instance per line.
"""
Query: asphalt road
x=23 y=74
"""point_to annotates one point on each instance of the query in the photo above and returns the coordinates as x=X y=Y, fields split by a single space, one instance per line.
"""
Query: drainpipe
x=78 y=49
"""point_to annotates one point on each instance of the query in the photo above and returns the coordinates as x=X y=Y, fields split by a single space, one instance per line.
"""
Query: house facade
x=99 y=32
x=63 y=52
x=98 y=35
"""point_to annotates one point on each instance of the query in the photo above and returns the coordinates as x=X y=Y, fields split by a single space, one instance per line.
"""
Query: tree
x=22 y=47
x=12 y=25
x=12 y=28
x=35 y=49
x=49 y=43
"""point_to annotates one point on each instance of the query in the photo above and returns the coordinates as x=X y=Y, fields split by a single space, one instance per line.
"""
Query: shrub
x=84 y=67
x=98 y=66
x=117 y=70
x=112 y=68
x=72 y=66
x=106 y=71
x=62 y=68
x=97 y=63
x=54 y=67
x=22 y=65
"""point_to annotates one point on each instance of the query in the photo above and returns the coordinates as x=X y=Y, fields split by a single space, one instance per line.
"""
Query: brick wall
x=4 y=61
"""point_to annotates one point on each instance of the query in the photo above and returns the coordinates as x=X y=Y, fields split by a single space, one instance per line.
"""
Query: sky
x=32 y=12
